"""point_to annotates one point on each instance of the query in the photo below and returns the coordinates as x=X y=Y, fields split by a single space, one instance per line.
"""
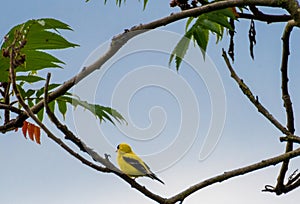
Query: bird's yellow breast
x=128 y=169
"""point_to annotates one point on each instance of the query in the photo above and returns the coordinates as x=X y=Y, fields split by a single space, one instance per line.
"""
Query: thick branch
x=245 y=89
x=120 y=40
x=237 y=172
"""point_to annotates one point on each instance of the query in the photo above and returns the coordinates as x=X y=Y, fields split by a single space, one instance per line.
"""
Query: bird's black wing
x=136 y=164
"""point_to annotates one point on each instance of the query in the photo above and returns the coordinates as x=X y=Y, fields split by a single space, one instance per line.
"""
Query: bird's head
x=124 y=148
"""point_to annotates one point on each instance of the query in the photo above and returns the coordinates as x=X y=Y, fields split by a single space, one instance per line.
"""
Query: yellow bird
x=133 y=165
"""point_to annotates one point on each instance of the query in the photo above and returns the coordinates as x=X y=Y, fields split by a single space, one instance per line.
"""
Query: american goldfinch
x=133 y=165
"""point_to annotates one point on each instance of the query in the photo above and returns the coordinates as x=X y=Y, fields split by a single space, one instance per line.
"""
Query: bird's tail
x=153 y=176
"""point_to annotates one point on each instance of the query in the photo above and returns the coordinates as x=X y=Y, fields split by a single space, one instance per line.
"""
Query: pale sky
x=170 y=114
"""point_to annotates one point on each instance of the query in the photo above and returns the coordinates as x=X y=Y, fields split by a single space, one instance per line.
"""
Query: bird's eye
x=118 y=147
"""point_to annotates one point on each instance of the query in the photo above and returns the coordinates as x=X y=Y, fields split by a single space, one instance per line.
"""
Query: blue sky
x=32 y=173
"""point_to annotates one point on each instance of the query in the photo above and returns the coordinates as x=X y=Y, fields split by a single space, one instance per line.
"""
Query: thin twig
x=245 y=89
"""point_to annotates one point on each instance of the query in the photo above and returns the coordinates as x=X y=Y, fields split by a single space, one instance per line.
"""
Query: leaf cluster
x=214 y=22
x=24 y=50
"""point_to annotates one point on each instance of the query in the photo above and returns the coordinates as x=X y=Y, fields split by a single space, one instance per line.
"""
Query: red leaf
x=31 y=130
x=24 y=128
x=37 y=134
x=16 y=129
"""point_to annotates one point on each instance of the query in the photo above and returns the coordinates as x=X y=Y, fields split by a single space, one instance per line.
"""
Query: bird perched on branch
x=131 y=164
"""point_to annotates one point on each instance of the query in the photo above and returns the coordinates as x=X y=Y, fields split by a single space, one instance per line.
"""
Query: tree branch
x=121 y=39
x=32 y=115
x=266 y=17
x=70 y=136
x=284 y=76
x=63 y=128
x=293 y=8
x=237 y=172
x=287 y=103
x=116 y=44
x=11 y=108
x=6 y=101
x=292 y=138
x=110 y=167
x=245 y=89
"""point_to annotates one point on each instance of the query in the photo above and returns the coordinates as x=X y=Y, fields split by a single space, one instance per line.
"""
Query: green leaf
x=52 y=106
x=145 y=4
x=29 y=78
x=51 y=23
x=180 y=49
x=190 y=19
x=40 y=114
x=46 y=40
x=36 y=60
x=41 y=91
x=22 y=91
x=101 y=112
x=62 y=107
x=4 y=67
x=227 y=12
x=119 y=2
x=211 y=26
x=36 y=35
x=30 y=103
x=213 y=22
x=29 y=93
x=201 y=36
x=220 y=19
